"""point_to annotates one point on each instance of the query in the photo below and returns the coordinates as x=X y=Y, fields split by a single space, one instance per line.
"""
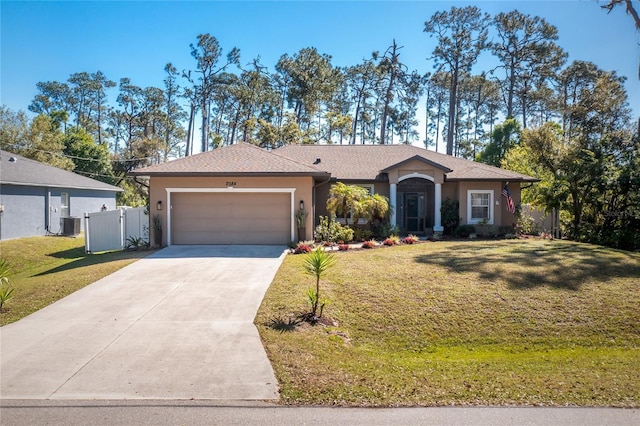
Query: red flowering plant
x=410 y=239
x=302 y=248
x=392 y=240
x=369 y=244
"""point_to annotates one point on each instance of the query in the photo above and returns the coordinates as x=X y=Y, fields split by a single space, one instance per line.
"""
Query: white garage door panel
x=240 y=218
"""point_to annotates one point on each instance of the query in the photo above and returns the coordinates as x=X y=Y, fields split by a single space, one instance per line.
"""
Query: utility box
x=70 y=226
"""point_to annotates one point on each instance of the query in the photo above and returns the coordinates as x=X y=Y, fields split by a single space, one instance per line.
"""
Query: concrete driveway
x=175 y=325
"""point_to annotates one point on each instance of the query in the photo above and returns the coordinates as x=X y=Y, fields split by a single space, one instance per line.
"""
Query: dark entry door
x=414 y=212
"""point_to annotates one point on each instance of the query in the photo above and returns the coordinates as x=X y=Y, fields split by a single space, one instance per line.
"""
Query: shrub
x=450 y=217
x=363 y=234
x=488 y=231
x=302 y=248
x=391 y=241
x=527 y=225
x=464 y=231
x=137 y=243
x=386 y=230
x=410 y=239
x=343 y=247
x=331 y=231
x=369 y=244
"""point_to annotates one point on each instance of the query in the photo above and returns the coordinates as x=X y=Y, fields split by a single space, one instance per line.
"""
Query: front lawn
x=528 y=322
x=45 y=269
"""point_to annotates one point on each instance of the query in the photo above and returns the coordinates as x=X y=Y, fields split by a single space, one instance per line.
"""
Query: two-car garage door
x=230 y=218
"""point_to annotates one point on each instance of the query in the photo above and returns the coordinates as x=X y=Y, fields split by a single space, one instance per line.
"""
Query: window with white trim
x=368 y=187
x=480 y=206
x=64 y=204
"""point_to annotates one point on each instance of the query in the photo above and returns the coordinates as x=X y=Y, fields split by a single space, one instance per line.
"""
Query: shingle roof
x=238 y=159
x=27 y=172
x=347 y=162
x=365 y=162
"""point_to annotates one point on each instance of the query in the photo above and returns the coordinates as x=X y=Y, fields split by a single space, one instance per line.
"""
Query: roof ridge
x=271 y=152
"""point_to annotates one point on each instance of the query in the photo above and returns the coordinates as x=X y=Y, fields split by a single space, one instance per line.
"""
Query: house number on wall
x=231 y=184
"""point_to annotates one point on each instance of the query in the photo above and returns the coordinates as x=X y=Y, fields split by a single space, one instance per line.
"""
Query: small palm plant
x=317 y=263
x=6 y=290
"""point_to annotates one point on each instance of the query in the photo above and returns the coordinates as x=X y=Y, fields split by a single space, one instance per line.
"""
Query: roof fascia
x=221 y=174
x=502 y=179
x=48 y=185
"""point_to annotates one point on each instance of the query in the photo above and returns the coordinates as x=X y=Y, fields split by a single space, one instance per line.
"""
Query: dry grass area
x=524 y=322
x=46 y=269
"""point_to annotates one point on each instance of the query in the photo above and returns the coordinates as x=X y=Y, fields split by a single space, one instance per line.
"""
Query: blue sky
x=43 y=41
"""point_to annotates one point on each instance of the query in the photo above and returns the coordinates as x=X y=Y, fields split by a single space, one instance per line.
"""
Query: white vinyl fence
x=109 y=230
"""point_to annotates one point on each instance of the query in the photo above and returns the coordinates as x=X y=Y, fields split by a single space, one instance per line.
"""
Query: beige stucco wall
x=501 y=217
x=302 y=185
x=450 y=190
x=415 y=167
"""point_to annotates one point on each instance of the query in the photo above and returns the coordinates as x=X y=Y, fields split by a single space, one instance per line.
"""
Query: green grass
x=525 y=322
x=46 y=269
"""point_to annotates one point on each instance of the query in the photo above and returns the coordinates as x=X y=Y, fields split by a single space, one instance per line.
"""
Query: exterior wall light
x=301 y=205
x=159 y=205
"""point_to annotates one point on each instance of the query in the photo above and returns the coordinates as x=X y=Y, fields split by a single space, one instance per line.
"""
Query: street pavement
x=160 y=413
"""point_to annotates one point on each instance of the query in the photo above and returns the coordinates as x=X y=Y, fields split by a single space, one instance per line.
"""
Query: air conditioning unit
x=70 y=226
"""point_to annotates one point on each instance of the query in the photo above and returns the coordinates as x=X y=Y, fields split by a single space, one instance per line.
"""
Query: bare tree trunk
x=189 y=148
x=452 y=111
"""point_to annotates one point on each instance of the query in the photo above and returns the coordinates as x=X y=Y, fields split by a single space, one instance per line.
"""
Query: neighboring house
x=35 y=197
x=244 y=194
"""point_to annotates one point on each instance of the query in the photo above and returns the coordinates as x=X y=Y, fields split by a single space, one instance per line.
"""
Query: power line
x=91 y=174
x=87 y=159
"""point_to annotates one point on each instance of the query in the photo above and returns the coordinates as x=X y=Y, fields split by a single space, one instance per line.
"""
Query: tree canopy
x=577 y=136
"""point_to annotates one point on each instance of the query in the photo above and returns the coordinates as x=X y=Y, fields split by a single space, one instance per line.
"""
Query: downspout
x=313 y=195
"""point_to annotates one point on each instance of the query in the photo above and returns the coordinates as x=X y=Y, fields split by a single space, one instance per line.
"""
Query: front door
x=414 y=212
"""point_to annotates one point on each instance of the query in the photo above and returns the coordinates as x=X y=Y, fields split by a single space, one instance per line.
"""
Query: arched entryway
x=415 y=206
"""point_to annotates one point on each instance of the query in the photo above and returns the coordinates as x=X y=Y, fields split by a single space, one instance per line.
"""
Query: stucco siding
x=302 y=187
x=501 y=217
x=415 y=168
x=24 y=208
x=30 y=210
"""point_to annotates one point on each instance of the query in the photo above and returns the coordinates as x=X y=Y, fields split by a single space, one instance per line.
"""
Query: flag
x=510 y=206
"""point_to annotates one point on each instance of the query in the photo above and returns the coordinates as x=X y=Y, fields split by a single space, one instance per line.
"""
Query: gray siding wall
x=23 y=214
x=25 y=208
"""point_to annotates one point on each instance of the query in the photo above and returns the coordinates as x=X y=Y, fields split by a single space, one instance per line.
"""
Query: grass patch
x=524 y=322
x=46 y=269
